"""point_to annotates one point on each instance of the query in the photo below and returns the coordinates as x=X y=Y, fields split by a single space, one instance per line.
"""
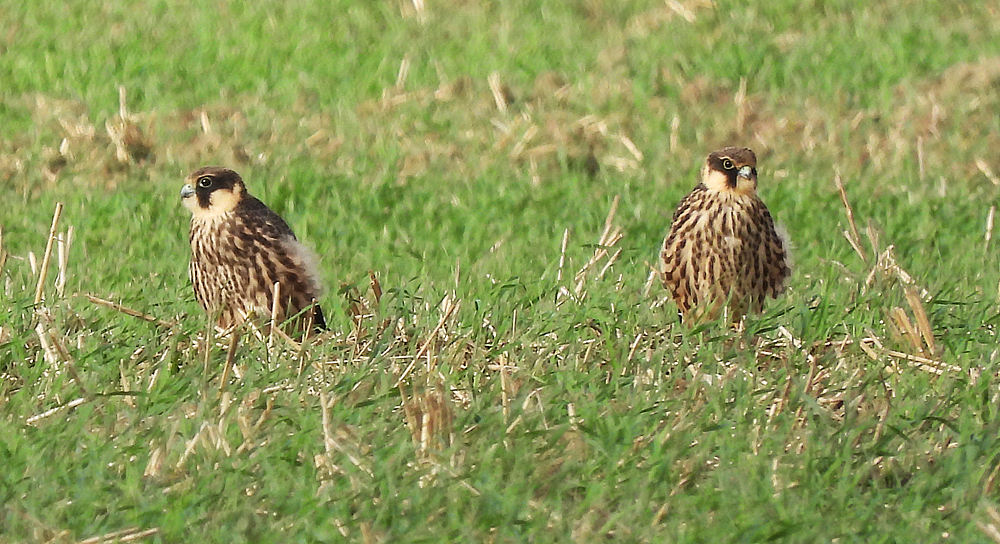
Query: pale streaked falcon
x=240 y=249
x=723 y=245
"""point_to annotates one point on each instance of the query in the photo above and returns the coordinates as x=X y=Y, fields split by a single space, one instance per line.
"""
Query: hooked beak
x=187 y=190
x=746 y=172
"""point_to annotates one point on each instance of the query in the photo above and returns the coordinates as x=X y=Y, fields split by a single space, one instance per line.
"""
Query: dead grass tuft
x=648 y=22
x=132 y=146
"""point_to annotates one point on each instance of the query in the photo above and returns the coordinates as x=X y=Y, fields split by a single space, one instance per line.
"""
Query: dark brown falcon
x=240 y=249
x=722 y=244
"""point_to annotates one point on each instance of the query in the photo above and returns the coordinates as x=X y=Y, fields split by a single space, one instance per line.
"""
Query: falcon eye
x=727 y=164
x=204 y=182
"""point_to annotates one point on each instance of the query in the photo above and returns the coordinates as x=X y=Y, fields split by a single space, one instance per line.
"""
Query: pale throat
x=221 y=204
x=718 y=182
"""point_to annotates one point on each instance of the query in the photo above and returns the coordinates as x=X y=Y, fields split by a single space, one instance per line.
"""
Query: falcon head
x=731 y=170
x=212 y=191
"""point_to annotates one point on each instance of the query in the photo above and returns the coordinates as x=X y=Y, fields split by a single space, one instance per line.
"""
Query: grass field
x=506 y=172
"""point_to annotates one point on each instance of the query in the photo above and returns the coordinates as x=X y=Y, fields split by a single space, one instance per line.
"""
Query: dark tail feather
x=319 y=322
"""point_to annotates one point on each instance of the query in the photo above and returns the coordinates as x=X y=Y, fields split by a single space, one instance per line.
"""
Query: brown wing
x=681 y=253
x=771 y=264
x=277 y=256
x=236 y=262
